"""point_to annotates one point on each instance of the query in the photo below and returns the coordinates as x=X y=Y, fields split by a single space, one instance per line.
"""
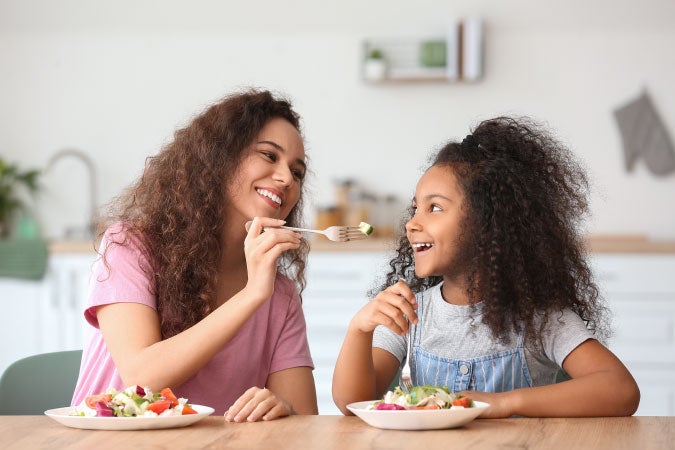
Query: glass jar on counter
x=328 y=216
x=392 y=211
x=360 y=208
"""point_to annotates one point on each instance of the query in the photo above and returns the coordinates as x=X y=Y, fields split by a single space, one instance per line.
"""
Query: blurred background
x=89 y=89
x=114 y=80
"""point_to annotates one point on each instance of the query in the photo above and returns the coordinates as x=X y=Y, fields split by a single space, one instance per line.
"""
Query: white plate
x=416 y=419
x=127 y=423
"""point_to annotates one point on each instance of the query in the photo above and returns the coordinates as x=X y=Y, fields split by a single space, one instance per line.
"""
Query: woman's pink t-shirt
x=273 y=339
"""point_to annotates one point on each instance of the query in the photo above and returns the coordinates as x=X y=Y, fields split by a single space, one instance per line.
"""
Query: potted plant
x=12 y=180
x=375 y=66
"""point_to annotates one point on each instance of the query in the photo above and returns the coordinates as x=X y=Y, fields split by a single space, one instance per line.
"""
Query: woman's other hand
x=258 y=404
x=389 y=308
x=262 y=248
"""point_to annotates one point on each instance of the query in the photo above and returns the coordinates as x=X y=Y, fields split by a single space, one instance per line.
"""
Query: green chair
x=37 y=383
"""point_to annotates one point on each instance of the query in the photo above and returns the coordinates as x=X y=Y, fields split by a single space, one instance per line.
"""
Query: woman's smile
x=272 y=197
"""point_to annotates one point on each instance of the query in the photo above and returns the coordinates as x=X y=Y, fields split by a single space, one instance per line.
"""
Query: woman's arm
x=296 y=386
x=132 y=331
x=132 y=335
x=600 y=386
x=289 y=391
x=361 y=371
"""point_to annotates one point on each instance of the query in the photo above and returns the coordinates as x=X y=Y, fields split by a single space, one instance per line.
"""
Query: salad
x=134 y=401
x=422 y=397
x=366 y=228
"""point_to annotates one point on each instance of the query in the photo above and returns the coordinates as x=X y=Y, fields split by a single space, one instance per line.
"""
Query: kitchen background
x=109 y=82
x=115 y=79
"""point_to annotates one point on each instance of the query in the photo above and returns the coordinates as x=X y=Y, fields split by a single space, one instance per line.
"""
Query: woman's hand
x=256 y=404
x=389 y=308
x=262 y=249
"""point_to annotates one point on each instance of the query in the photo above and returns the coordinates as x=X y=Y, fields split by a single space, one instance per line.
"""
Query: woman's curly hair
x=176 y=208
x=525 y=196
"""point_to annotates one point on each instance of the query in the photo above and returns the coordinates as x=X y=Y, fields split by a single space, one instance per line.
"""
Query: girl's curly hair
x=176 y=208
x=525 y=196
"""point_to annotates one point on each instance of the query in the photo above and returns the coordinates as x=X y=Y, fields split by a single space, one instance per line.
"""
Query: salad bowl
x=420 y=419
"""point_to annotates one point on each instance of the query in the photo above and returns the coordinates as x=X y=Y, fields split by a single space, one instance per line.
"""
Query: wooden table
x=337 y=432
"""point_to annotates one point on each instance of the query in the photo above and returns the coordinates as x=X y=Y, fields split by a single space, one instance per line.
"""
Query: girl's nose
x=412 y=225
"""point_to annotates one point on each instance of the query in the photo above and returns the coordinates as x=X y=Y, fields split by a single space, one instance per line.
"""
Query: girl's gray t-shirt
x=457 y=332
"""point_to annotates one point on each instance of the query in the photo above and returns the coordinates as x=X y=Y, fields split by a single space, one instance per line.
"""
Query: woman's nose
x=283 y=175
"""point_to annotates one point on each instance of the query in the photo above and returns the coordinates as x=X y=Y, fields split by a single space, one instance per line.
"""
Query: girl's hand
x=262 y=249
x=256 y=404
x=501 y=406
x=389 y=308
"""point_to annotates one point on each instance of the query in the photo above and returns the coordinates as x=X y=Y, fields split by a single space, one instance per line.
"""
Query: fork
x=406 y=380
x=337 y=233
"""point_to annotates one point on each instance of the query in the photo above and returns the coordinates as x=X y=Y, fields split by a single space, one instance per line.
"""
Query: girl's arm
x=600 y=386
x=132 y=331
x=361 y=371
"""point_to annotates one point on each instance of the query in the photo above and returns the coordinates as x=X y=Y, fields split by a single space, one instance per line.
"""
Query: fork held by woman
x=337 y=233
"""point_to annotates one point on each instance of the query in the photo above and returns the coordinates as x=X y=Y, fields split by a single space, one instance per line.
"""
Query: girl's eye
x=435 y=208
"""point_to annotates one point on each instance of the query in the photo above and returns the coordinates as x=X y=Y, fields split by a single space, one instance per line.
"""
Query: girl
x=493 y=280
x=183 y=296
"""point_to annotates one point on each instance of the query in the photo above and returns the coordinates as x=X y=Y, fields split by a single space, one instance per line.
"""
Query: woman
x=184 y=295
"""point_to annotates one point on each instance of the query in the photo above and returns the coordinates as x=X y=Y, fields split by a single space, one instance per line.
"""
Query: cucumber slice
x=365 y=228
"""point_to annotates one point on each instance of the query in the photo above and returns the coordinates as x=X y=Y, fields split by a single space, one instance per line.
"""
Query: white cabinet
x=337 y=286
x=639 y=289
x=43 y=316
x=640 y=292
x=62 y=323
x=46 y=315
x=20 y=303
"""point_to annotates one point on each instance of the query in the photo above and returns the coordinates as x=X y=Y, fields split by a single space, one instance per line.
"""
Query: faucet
x=90 y=228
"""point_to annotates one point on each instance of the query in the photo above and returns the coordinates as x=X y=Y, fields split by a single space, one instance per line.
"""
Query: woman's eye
x=269 y=155
x=298 y=174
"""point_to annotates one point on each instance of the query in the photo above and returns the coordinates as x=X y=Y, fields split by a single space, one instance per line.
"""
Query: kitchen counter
x=596 y=244
x=628 y=244
x=71 y=247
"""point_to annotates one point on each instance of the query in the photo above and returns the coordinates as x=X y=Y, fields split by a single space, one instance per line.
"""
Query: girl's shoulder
x=559 y=318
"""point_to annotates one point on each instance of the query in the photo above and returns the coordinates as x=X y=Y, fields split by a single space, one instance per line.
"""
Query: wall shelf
x=456 y=56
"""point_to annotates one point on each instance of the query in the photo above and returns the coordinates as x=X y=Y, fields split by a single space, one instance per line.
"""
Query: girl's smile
x=436 y=225
x=421 y=247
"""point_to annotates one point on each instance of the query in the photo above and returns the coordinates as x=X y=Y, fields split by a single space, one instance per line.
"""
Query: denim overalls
x=503 y=371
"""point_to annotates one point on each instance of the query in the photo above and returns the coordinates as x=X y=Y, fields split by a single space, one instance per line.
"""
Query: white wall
x=115 y=79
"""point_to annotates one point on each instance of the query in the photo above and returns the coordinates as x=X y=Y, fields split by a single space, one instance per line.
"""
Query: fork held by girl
x=496 y=285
